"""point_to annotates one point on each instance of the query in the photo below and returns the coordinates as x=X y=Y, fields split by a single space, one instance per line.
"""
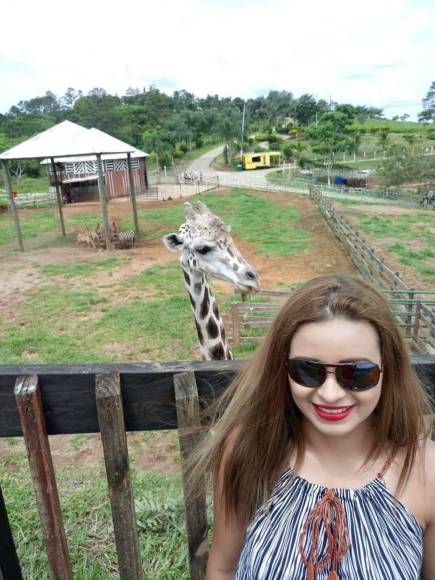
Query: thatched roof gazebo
x=69 y=140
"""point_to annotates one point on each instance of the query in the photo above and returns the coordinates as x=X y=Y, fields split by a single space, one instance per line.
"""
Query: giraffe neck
x=209 y=324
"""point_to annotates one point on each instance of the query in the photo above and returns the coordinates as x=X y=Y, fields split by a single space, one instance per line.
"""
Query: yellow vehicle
x=261 y=160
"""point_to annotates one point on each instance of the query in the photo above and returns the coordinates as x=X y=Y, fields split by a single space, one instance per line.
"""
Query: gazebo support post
x=132 y=194
x=13 y=206
x=103 y=202
x=59 y=200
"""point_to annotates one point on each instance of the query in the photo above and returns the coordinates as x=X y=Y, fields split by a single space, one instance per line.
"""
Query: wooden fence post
x=236 y=324
x=186 y=397
x=9 y=564
x=112 y=427
x=416 y=327
x=29 y=403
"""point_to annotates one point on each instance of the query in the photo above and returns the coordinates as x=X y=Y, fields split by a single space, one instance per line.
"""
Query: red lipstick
x=333 y=412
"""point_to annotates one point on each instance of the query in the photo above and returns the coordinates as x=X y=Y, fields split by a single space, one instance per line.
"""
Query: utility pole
x=243 y=128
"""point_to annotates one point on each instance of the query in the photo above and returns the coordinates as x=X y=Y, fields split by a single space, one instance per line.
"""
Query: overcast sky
x=375 y=52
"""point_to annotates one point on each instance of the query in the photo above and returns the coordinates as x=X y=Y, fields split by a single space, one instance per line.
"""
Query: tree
x=228 y=127
x=355 y=141
x=305 y=109
x=330 y=136
x=428 y=113
x=403 y=168
x=411 y=139
x=383 y=136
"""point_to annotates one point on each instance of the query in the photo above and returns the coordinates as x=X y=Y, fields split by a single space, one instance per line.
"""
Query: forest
x=169 y=126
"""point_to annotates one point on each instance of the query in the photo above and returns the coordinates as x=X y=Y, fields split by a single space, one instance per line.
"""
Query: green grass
x=272 y=226
x=31 y=185
x=87 y=517
x=77 y=269
x=400 y=232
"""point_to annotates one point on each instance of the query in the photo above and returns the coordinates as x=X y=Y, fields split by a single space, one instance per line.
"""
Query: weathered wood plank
x=31 y=413
x=68 y=392
x=9 y=565
x=186 y=396
x=114 y=438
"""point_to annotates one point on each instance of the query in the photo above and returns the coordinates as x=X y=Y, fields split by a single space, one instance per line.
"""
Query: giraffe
x=207 y=249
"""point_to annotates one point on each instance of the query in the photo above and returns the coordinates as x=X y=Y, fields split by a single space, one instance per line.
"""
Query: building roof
x=69 y=140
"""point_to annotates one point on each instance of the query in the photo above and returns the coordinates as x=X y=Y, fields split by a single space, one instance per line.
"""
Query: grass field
x=159 y=511
x=410 y=237
x=97 y=310
x=91 y=312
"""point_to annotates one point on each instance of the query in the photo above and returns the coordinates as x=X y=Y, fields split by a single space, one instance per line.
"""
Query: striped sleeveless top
x=385 y=541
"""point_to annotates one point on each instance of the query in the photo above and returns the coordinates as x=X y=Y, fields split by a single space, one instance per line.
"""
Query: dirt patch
x=154 y=452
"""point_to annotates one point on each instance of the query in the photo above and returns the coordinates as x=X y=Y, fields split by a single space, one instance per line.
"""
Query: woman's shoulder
x=428 y=452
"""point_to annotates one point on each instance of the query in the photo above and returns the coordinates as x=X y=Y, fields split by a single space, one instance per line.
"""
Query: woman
x=322 y=465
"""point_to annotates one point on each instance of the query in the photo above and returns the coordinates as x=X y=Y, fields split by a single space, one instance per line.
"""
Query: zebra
x=126 y=239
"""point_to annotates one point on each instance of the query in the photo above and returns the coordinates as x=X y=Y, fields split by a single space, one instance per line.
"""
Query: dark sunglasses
x=354 y=376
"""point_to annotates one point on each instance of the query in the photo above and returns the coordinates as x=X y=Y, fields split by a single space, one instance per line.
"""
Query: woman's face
x=331 y=409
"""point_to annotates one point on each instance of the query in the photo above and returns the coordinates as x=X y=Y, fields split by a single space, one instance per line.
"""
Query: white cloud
x=376 y=54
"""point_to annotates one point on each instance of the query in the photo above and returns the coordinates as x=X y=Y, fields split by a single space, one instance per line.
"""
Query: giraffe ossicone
x=207 y=249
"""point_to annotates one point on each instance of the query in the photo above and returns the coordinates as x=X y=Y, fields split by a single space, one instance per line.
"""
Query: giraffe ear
x=201 y=207
x=188 y=209
x=173 y=242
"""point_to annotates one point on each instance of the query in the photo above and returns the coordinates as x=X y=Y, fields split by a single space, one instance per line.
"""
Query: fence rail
x=27 y=200
x=36 y=401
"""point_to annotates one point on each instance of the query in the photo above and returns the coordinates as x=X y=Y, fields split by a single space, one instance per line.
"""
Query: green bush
x=261 y=136
x=272 y=138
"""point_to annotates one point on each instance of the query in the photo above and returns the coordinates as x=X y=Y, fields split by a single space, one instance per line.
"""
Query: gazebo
x=68 y=140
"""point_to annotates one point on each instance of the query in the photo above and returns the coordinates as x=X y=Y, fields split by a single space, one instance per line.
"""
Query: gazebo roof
x=68 y=139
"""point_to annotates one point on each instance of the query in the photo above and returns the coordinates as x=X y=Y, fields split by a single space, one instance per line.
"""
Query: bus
x=261 y=160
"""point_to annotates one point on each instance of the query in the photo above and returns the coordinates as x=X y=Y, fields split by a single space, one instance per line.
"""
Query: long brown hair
x=259 y=418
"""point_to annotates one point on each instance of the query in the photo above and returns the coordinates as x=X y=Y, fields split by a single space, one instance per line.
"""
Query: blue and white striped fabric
x=386 y=539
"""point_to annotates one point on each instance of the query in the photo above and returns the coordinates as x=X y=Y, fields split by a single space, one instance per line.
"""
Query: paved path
x=256 y=179
x=203 y=163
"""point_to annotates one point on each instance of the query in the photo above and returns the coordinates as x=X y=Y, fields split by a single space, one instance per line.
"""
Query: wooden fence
x=416 y=316
x=39 y=400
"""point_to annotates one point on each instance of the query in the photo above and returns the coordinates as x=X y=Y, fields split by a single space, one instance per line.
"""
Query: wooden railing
x=416 y=317
x=38 y=400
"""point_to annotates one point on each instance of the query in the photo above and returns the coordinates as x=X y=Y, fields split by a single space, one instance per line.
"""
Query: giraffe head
x=207 y=248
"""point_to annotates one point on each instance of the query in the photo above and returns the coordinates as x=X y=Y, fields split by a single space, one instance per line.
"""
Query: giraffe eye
x=204 y=250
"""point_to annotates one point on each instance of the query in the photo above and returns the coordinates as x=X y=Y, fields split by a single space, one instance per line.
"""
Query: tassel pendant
x=310 y=571
x=333 y=575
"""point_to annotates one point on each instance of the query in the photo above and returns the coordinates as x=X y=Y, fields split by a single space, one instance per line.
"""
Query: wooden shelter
x=69 y=140
x=79 y=175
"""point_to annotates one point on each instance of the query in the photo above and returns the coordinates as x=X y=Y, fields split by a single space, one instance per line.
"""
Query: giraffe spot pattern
x=199 y=332
x=197 y=288
x=212 y=328
x=186 y=277
x=235 y=267
x=205 y=304
x=217 y=352
x=216 y=310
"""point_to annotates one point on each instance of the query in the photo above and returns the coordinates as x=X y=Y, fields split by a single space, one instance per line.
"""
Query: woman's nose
x=331 y=391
